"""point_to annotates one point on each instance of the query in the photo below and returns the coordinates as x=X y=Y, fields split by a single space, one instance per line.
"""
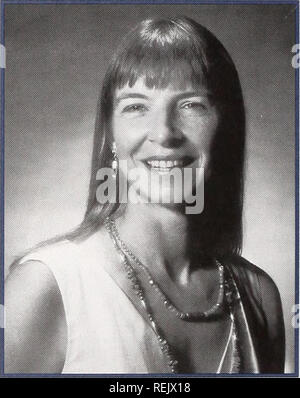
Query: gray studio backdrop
x=56 y=58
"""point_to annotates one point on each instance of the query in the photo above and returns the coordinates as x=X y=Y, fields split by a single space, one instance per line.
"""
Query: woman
x=147 y=286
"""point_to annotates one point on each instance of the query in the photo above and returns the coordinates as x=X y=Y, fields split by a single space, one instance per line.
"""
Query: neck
x=160 y=237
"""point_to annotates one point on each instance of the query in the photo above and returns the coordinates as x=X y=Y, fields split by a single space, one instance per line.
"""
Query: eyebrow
x=184 y=94
x=200 y=93
x=130 y=95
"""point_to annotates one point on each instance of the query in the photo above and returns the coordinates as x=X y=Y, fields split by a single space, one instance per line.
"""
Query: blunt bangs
x=162 y=52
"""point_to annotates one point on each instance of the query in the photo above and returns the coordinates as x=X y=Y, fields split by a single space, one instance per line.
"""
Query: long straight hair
x=164 y=51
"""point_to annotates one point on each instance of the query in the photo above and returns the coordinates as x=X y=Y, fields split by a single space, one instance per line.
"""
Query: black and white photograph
x=150 y=183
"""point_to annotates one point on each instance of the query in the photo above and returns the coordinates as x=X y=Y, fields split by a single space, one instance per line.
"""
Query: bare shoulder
x=35 y=337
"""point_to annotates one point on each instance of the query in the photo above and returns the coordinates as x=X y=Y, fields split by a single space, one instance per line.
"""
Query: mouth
x=166 y=165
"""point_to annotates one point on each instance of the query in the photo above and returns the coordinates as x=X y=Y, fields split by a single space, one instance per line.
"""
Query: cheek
x=127 y=137
x=201 y=132
x=126 y=133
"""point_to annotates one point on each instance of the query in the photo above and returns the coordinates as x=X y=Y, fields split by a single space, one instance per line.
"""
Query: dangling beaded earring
x=114 y=163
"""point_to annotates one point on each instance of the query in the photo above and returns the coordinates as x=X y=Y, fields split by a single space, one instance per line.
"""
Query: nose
x=164 y=130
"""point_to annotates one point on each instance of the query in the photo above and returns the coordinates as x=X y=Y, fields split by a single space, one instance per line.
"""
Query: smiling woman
x=143 y=287
x=158 y=130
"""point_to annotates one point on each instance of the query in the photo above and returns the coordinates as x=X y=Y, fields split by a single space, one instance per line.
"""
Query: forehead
x=172 y=89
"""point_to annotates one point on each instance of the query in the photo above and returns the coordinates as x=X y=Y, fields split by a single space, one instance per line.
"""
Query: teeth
x=165 y=164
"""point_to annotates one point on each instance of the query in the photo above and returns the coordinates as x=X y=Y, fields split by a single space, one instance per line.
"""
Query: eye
x=138 y=108
x=193 y=106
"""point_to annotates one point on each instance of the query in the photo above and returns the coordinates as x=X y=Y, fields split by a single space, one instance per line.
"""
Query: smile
x=166 y=165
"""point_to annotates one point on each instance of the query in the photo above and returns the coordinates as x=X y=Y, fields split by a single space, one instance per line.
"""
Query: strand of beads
x=186 y=316
x=136 y=286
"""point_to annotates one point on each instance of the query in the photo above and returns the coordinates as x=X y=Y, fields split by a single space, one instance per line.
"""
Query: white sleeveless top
x=107 y=332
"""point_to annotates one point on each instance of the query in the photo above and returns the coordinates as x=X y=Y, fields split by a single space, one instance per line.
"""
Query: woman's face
x=159 y=130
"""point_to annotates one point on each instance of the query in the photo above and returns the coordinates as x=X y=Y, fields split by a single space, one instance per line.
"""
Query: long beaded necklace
x=136 y=285
x=186 y=316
